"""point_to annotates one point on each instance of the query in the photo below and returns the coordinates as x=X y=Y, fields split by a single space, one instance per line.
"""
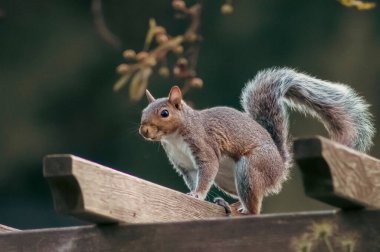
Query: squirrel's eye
x=165 y=113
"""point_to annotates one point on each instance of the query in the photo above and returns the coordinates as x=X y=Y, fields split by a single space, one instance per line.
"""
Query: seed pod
x=129 y=54
x=196 y=82
x=164 y=71
x=162 y=38
x=122 y=68
x=227 y=8
x=150 y=61
x=159 y=30
x=182 y=62
x=141 y=56
x=191 y=37
x=178 y=50
x=179 y=5
x=176 y=71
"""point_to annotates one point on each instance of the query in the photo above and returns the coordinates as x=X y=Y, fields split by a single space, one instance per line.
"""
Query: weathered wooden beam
x=338 y=175
x=99 y=194
x=4 y=229
x=312 y=232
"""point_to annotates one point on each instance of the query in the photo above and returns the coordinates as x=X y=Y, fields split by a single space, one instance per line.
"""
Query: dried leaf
x=122 y=81
x=366 y=6
x=360 y=5
x=150 y=34
x=139 y=84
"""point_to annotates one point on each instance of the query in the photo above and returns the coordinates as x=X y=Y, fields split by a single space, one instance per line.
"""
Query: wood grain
x=345 y=231
x=4 y=229
x=99 y=194
x=338 y=175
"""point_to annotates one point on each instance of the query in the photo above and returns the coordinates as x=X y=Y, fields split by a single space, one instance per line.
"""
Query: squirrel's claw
x=197 y=195
x=221 y=202
x=241 y=210
x=193 y=194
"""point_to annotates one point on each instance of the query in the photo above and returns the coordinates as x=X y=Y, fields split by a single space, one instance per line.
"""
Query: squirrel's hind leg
x=248 y=186
x=255 y=175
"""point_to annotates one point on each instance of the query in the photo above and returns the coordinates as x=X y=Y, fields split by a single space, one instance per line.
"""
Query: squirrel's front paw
x=196 y=195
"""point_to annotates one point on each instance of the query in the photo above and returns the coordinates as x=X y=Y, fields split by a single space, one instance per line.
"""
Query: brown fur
x=215 y=133
x=247 y=154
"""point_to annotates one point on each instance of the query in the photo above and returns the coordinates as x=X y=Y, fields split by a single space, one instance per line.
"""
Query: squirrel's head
x=162 y=116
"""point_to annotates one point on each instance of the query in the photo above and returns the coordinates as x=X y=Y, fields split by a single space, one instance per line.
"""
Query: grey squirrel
x=248 y=154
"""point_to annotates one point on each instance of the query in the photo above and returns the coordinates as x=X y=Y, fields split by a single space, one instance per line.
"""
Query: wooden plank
x=4 y=229
x=324 y=231
x=99 y=194
x=338 y=175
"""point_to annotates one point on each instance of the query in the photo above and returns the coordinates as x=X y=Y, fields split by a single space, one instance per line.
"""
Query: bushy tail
x=344 y=114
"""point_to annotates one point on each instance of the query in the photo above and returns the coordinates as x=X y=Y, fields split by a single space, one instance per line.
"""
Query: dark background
x=56 y=77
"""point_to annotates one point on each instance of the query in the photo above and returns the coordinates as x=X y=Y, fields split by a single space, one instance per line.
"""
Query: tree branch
x=101 y=27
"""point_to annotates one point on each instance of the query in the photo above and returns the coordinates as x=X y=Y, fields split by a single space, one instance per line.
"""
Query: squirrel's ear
x=149 y=96
x=175 y=96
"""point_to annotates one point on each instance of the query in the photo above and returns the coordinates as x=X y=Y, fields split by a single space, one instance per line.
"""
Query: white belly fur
x=180 y=154
x=179 y=151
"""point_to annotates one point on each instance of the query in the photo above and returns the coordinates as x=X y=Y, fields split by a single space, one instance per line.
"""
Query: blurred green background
x=56 y=77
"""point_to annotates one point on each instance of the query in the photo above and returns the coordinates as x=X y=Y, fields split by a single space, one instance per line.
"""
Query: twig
x=192 y=52
x=101 y=27
x=328 y=244
x=185 y=47
x=2 y=14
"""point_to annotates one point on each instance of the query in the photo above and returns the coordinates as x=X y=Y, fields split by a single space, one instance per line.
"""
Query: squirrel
x=247 y=154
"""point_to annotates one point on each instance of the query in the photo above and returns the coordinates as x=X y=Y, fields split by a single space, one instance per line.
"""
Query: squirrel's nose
x=144 y=131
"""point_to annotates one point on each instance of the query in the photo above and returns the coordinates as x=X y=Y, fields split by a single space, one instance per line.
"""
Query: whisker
x=133 y=130
x=158 y=147
x=132 y=127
